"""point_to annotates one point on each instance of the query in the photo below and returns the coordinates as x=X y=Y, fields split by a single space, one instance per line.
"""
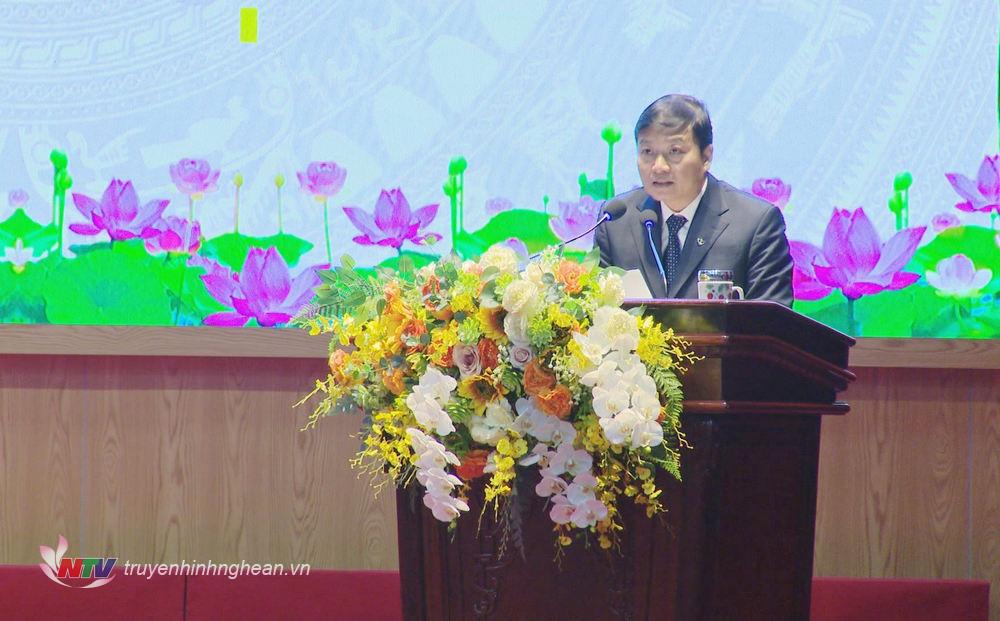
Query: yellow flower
x=463 y=303
x=559 y=317
x=492 y=325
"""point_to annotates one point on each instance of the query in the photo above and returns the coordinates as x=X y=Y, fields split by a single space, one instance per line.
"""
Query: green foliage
x=38 y=238
x=407 y=261
x=531 y=227
x=344 y=290
x=21 y=299
x=106 y=286
x=596 y=189
x=187 y=290
x=976 y=242
x=231 y=249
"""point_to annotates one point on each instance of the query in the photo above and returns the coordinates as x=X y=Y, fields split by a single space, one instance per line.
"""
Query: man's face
x=671 y=166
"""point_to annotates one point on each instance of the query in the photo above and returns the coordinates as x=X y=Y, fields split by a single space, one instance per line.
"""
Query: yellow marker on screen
x=248 y=24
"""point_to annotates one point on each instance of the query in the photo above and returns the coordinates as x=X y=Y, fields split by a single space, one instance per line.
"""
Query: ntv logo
x=56 y=567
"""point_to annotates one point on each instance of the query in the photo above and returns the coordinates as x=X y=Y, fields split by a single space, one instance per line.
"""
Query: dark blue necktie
x=673 y=256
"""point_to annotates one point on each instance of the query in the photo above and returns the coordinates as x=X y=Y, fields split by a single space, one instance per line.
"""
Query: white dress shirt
x=687 y=212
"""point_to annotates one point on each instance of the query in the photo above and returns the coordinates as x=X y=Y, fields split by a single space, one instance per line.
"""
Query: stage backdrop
x=186 y=162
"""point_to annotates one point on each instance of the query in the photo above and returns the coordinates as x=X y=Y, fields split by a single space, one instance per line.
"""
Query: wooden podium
x=737 y=541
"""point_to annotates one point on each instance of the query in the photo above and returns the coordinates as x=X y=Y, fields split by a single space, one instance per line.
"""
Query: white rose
x=533 y=272
x=515 y=326
x=500 y=257
x=492 y=426
x=522 y=296
x=612 y=290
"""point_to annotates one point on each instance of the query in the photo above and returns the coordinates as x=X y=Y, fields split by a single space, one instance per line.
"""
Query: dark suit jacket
x=739 y=232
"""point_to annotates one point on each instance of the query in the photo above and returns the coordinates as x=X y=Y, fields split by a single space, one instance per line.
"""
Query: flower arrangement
x=532 y=376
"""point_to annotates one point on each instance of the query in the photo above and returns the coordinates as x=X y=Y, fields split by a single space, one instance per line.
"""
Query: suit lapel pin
x=701 y=241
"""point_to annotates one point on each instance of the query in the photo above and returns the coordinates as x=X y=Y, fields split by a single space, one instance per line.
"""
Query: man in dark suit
x=696 y=222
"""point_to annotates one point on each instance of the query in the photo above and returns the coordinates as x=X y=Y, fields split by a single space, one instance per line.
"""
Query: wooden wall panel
x=894 y=478
x=41 y=433
x=163 y=459
x=171 y=459
x=985 y=490
x=909 y=481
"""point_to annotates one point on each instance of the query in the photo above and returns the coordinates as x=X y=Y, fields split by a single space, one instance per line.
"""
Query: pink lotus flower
x=174 y=233
x=17 y=198
x=944 y=221
x=392 y=222
x=853 y=259
x=983 y=194
x=958 y=277
x=264 y=290
x=774 y=191
x=194 y=177
x=322 y=179
x=119 y=213
x=574 y=219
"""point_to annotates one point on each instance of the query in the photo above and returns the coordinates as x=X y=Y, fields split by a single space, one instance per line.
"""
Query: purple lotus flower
x=264 y=290
x=322 y=179
x=17 y=198
x=173 y=234
x=983 y=194
x=518 y=246
x=944 y=221
x=574 y=219
x=119 y=213
x=774 y=191
x=853 y=259
x=497 y=205
x=392 y=222
x=194 y=177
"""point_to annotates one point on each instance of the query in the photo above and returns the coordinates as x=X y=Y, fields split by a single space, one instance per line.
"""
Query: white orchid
x=429 y=413
x=445 y=508
x=614 y=329
x=437 y=481
x=609 y=402
x=647 y=433
x=437 y=384
x=619 y=428
x=568 y=460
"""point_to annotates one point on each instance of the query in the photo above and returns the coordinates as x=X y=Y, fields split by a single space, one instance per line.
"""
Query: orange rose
x=488 y=354
x=414 y=330
x=472 y=464
x=394 y=381
x=433 y=285
x=537 y=379
x=556 y=402
x=338 y=358
x=568 y=273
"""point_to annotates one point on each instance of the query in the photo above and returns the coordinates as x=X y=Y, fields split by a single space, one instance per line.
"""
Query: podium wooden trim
x=737 y=541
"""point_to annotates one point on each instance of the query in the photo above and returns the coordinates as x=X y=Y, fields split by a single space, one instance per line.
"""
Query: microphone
x=611 y=212
x=649 y=219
